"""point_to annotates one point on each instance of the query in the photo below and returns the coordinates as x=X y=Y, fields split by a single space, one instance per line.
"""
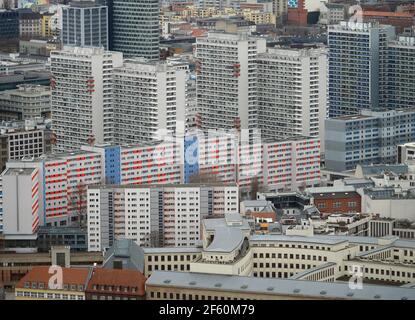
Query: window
x=351 y=204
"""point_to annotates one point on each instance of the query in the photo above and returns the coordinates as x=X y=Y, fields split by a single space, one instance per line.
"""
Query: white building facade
x=149 y=100
x=226 y=79
x=164 y=215
x=292 y=92
x=82 y=95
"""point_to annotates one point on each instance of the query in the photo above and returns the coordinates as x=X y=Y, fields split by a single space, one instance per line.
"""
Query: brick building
x=400 y=20
x=297 y=15
x=337 y=202
x=80 y=283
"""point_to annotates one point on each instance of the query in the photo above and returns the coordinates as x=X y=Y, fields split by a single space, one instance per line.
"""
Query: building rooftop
x=117 y=277
x=334 y=5
x=302 y=239
x=357 y=182
x=311 y=270
x=126 y=251
x=377 y=169
x=61 y=230
x=18 y=171
x=57 y=156
x=336 y=239
x=277 y=287
x=265 y=205
x=335 y=195
x=351 y=117
x=29 y=16
x=26 y=90
x=167 y=250
x=255 y=203
x=158 y=186
x=332 y=189
x=71 y=276
x=84 y=3
x=10 y=127
x=229 y=232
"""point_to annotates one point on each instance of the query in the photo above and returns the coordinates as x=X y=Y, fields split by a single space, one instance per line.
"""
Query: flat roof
x=278 y=287
x=303 y=239
x=255 y=203
x=168 y=250
x=18 y=171
x=351 y=117
x=375 y=169
x=334 y=195
x=335 y=239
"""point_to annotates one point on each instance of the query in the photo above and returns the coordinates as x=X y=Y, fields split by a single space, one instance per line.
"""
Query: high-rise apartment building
x=135 y=27
x=292 y=92
x=149 y=100
x=371 y=137
x=226 y=80
x=357 y=60
x=82 y=95
x=164 y=215
x=398 y=89
x=85 y=24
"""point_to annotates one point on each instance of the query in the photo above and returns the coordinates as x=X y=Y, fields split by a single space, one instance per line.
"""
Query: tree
x=204 y=177
x=254 y=188
x=77 y=204
x=154 y=239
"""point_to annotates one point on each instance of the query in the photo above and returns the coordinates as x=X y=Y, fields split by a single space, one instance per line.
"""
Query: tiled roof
x=71 y=276
x=133 y=280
